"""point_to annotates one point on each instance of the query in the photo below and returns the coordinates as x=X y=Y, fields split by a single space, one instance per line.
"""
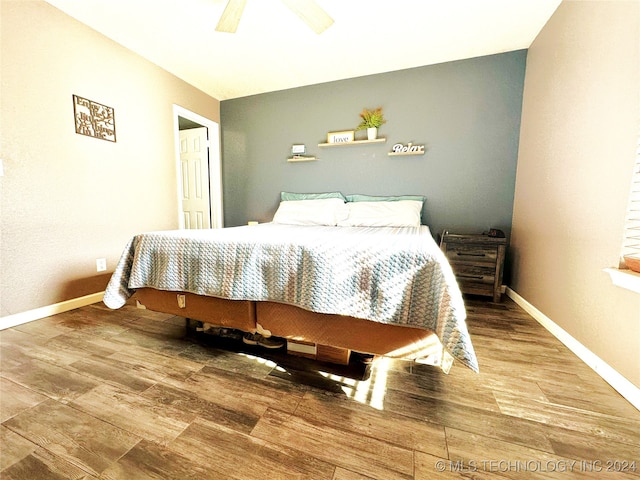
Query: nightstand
x=477 y=261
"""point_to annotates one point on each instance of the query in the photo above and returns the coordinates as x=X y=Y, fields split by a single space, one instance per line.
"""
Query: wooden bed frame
x=333 y=336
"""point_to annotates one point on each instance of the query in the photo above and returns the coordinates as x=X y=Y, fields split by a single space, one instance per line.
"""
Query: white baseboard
x=623 y=386
x=42 y=312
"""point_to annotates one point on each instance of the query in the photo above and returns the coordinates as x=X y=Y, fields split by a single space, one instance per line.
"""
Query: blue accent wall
x=466 y=113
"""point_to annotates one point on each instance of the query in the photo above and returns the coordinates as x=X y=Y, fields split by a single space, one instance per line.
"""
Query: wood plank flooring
x=127 y=394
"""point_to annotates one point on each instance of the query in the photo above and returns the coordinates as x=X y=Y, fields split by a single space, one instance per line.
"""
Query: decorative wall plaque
x=94 y=119
x=408 y=149
x=340 y=137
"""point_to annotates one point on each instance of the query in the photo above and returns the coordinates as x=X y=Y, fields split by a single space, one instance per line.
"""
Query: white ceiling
x=273 y=49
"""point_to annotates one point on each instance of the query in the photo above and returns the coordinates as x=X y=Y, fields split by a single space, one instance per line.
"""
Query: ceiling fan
x=308 y=10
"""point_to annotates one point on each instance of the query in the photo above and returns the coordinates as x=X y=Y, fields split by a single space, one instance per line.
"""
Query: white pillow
x=309 y=212
x=402 y=213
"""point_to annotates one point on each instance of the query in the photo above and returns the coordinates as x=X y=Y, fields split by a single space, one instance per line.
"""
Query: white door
x=194 y=172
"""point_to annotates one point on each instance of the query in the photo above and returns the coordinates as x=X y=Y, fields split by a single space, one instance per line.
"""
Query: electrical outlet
x=101 y=264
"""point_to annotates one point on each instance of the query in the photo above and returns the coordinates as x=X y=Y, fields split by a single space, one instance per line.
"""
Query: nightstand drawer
x=472 y=253
x=475 y=273
x=476 y=288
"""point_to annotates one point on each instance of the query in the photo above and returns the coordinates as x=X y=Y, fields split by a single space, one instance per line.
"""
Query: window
x=631 y=242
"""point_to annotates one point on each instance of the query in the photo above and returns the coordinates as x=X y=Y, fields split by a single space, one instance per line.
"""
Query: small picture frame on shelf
x=345 y=136
x=298 y=149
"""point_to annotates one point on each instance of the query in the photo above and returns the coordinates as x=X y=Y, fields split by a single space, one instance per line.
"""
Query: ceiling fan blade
x=311 y=13
x=231 y=16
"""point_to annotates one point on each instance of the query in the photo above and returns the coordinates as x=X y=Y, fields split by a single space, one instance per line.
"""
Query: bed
x=324 y=272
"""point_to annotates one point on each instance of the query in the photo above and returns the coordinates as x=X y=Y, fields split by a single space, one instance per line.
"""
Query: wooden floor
x=94 y=393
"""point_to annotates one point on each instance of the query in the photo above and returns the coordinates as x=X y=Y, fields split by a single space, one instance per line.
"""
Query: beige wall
x=69 y=199
x=581 y=110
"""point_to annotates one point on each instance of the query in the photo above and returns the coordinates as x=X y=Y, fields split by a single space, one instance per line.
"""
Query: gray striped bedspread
x=395 y=275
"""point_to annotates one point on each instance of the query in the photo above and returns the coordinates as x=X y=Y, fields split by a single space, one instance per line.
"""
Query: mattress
x=391 y=275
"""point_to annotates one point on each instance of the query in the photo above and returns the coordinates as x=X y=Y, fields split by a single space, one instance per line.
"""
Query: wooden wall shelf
x=354 y=142
x=301 y=159
x=400 y=154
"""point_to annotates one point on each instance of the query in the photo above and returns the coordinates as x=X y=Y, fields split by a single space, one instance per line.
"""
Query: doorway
x=198 y=169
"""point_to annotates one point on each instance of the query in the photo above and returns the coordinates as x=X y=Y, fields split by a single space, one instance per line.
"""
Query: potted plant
x=371 y=120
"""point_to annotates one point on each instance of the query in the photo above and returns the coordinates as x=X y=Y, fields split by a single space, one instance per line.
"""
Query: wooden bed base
x=331 y=334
